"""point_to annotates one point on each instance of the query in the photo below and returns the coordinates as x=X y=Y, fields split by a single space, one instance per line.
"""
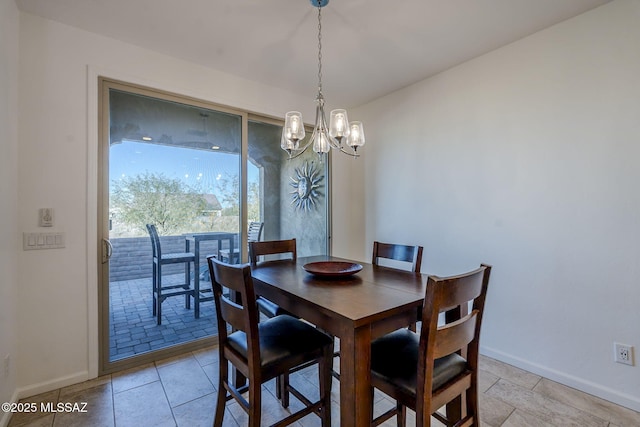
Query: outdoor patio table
x=196 y=238
x=356 y=309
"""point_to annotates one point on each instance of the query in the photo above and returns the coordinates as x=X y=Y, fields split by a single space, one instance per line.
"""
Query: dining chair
x=410 y=257
x=405 y=257
x=160 y=291
x=439 y=365
x=254 y=233
x=285 y=249
x=265 y=350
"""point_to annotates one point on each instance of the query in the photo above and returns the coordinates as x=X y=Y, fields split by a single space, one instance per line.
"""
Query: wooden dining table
x=356 y=309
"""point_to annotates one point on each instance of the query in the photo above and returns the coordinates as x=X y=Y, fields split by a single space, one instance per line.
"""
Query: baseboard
x=43 y=387
x=46 y=386
x=6 y=416
x=622 y=399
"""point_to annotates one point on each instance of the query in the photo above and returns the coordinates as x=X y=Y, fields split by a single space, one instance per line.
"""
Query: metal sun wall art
x=306 y=186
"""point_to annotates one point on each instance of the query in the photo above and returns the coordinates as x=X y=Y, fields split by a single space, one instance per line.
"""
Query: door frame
x=99 y=83
x=105 y=366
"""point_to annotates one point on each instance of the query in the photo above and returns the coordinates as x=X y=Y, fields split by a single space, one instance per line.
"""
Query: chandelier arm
x=354 y=154
x=302 y=149
x=335 y=143
x=299 y=152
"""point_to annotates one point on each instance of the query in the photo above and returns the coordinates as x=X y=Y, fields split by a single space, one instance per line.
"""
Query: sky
x=197 y=168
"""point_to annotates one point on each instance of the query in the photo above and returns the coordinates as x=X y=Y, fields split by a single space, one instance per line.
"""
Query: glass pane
x=177 y=167
x=289 y=196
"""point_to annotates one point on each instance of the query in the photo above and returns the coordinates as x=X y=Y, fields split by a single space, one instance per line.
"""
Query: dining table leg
x=355 y=377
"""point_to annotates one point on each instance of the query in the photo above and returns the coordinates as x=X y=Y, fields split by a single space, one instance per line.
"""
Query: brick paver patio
x=134 y=329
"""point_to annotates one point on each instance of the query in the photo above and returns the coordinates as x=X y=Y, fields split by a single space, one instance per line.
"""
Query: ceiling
x=370 y=47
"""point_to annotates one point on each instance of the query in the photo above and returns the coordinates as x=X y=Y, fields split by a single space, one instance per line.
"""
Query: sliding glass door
x=200 y=174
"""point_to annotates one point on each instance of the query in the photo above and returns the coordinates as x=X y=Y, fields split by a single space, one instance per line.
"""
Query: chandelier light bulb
x=356 y=137
x=339 y=125
x=293 y=131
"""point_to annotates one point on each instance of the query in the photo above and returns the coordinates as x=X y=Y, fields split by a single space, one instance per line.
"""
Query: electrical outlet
x=7 y=365
x=623 y=353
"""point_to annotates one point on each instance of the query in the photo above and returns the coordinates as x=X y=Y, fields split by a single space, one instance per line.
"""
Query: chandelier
x=340 y=133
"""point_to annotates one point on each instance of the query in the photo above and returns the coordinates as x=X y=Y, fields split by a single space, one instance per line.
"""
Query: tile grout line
x=175 y=422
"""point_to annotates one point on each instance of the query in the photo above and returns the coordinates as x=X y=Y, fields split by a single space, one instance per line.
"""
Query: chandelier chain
x=319 y=50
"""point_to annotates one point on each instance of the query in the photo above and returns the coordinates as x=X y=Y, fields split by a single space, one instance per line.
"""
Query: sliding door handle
x=107 y=250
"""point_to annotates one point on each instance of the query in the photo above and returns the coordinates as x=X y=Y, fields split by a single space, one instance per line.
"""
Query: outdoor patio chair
x=253 y=235
x=160 y=291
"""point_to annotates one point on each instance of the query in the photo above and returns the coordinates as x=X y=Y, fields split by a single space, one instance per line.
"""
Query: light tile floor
x=181 y=391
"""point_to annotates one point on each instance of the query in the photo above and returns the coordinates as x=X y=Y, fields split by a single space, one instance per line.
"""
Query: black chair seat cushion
x=281 y=337
x=270 y=309
x=394 y=358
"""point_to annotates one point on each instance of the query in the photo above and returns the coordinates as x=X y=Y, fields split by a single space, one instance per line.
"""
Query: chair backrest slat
x=457 y=290
x=456 y=335
x=232 y=313
x=403 y=253
x=272 y=247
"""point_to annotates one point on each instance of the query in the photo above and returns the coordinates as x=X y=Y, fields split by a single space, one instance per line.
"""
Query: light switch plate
x=32 y=241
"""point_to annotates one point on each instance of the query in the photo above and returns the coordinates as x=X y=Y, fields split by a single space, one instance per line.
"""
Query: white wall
x=527 y=158
x=347 y=204
x=9 y=238
x=59 y=65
